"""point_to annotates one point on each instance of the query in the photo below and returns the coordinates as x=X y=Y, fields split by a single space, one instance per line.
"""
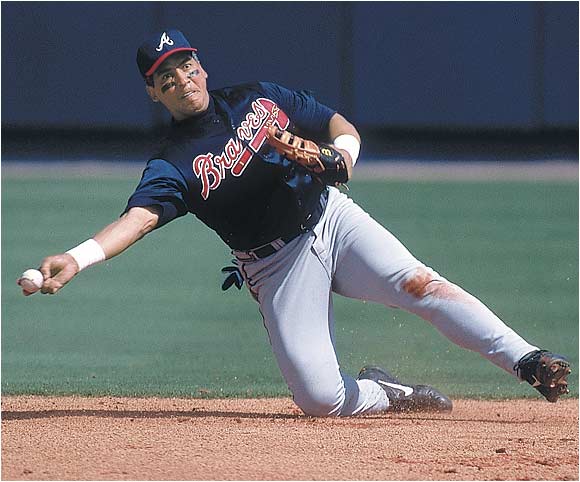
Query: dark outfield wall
x=473 y=65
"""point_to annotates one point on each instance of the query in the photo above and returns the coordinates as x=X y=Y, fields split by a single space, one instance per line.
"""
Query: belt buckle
x=252 y=255
x=245 y=255
x=275 y=246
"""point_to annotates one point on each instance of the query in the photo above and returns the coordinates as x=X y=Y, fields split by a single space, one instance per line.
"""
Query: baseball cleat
x=406 y=398
x=546 y=372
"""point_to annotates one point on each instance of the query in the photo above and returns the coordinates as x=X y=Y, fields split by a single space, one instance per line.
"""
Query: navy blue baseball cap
x=158 y=47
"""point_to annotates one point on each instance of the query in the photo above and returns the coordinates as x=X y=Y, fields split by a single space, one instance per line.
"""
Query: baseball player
x=260 y=165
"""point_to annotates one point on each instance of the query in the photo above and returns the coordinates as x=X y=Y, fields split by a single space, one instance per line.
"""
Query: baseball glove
x=321 y=159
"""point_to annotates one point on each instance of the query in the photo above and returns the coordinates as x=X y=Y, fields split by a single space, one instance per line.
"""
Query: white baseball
x=31 y=280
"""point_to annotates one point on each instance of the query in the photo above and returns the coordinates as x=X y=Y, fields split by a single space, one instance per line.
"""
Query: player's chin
x=195 y=103
x=188 y=107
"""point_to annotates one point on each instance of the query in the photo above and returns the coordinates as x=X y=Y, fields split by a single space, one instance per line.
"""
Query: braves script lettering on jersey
x=237 y=155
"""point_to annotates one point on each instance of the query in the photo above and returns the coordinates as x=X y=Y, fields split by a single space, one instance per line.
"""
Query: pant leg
x=293 y=290
x=369 y=263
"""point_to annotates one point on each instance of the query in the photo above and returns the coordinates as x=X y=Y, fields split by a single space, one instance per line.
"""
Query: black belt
x=267 y=249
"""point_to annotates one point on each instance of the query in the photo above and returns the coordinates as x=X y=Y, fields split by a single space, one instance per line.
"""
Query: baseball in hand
x=31 y=280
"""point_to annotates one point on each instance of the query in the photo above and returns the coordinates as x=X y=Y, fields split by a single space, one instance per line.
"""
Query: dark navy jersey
x=218 y=166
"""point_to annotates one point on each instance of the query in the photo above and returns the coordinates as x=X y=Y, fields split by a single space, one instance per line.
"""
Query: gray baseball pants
x=351 y=254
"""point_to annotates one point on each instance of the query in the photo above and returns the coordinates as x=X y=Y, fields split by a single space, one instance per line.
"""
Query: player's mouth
x=189 y=94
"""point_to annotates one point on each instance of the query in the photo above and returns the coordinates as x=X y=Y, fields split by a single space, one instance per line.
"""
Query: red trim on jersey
x=164 y=56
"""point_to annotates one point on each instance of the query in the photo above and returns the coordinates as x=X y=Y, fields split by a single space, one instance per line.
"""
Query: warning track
x=564 y=171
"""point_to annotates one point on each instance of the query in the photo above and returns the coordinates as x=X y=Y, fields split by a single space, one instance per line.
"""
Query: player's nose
x=181 y=78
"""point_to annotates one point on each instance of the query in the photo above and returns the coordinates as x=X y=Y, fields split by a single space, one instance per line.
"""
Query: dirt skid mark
x=417 y=284
x=423 y=283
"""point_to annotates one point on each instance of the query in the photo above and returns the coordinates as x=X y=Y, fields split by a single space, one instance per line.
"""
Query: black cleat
x=546 y=372
x=406 y=398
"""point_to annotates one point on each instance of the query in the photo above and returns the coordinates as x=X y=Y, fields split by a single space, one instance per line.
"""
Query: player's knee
x=321 y=402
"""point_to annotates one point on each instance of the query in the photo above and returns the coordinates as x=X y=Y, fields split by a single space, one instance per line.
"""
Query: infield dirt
x=73 y=438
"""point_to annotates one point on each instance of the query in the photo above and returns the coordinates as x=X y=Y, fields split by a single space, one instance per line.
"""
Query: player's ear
x=203 y=72
x=151 y=92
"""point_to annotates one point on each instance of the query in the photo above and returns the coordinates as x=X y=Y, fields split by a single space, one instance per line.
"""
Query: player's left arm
x=321 y=124
x=337 y=127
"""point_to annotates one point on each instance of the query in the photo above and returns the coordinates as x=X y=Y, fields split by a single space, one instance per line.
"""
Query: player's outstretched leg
x=406 y=398
x=546 y=372
x=371 y=264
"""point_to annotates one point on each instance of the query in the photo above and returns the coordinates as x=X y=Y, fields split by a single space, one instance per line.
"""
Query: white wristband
x=87 y=253
x=350 y=144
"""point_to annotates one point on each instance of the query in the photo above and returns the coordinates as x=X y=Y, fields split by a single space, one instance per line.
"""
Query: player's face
x=180 y=85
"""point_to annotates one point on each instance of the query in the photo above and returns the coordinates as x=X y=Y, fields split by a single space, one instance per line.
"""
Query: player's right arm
x=127 y=230
x=115 y=238
x=157 y=200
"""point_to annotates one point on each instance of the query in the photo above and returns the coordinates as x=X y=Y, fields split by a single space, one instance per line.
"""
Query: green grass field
x=154 y=321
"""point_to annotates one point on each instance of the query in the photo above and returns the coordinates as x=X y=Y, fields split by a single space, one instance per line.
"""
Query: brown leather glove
x=323 y=160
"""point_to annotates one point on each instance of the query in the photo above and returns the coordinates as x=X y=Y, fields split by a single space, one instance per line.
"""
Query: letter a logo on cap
x=165 y=40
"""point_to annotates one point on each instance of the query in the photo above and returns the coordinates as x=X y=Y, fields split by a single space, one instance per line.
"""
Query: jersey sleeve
x=163 y=186
x=303 y=109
